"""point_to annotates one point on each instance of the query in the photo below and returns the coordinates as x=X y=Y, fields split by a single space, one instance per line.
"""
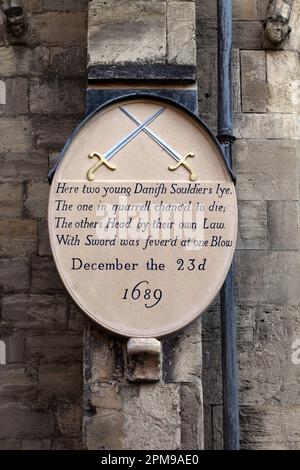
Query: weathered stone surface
x=53 y=132
x=20 y=60
x=35 y=311
x=11 y=200
x=18 y=141
x=268 y=374
x=59 y=96
x=191 y=417
x=18 y=237
x=25 y=422
x=36 y=202
x=17 y=384
x=266 y=169
x=15 y=342
x=253 y=68
x=268 y=277
x=236 y=81
x=183 y=356
x=212 y=372
x=75 y=318
x=70 y=61
x=52 y=346
x=253 y=225
x=283 y=225
x=283 y=72
x=65 y=5
x=60 y=380
x=22 y=166
x=16 y=96
x=266 y=126
x=34 y=444
x=69 y=417
x=45 y=277
x=248 y=34
x=10 y=444
x=207 y=80
x=56 y=29
x=217 y=412
x=143 y=360
x=65 y=443
x=244 y=9
x=14 y=275
x=181 y=33
x=126 y=32
x=43 y=239
x=99 y=359
x=151 y=410
x=270 y=427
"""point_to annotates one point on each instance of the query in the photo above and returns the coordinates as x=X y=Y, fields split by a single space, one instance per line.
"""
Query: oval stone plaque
x=142 y=217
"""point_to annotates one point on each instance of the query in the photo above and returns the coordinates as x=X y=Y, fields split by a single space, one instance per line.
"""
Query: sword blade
x=173 y=153
x=116 y=148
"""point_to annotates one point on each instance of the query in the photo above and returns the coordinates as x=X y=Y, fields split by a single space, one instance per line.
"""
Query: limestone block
x=283 y=72
x=75 y=318
x=53 y=132
x=36 y=202
x=217 y=412
x=212 y=372
x=17 y=384
x=182 y=356
x=294 y=37
x=143 y=360
x=15 y=341
x=270 y=427
x=16 y=96
x=18 y=237
x=20 y=60
x=192 y=433
x=22 y=166
x=60 y=380
x=181 y=33
x=65 y=5
x=266 y=126
x=104 y=359
x=267 y=371
x=68 y=61
x=151 y=417
x=244 y=9
x=26 y=423
x=55 y=28
x=126 y=32
x=44 y=248
x=36 y=444
x=253 y=225
x=283 y=225
x=20 y=139
x=207 y=75
x=236 y=79
x=266 y=169
x=49 y=346
x=11 y=200
x=14 y=275
x=35 y=311
x=253 y=73
x=45 y=277
x=59 y=96
x=268 y=277
x=69 y=417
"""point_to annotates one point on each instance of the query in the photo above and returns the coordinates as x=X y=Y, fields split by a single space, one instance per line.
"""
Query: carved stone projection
x=278 y=15
x=15 y=16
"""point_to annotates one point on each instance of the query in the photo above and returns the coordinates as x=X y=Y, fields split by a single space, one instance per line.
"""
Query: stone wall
x=42 y=98
x=42 y=77
x=266 y=105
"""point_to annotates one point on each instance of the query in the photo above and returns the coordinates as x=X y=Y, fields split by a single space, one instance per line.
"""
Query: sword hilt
x=187 y=166
x=102 y=161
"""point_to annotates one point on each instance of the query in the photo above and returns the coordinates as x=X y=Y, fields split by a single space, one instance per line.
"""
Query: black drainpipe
x=228 y=307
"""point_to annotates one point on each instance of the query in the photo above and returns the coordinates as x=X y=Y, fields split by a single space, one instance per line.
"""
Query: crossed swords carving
x=103 y=159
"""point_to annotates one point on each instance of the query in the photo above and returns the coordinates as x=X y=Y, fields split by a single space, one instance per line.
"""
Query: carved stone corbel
x=277 y=26
x=15 y=16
